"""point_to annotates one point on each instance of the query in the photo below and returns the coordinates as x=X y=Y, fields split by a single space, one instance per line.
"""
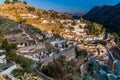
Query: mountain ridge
x=107 y=15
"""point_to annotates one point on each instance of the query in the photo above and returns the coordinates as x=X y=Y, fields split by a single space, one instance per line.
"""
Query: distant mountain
x=77 y=15
x=107 y=15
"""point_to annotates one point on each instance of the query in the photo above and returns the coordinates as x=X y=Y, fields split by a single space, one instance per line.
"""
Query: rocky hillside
x=107 y=15
x=10 y=10
x=13 y=13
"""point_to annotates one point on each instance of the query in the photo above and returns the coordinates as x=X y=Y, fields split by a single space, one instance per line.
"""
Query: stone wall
x=69 y=53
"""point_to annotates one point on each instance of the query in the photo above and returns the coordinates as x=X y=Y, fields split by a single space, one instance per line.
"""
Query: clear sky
x=73 y=6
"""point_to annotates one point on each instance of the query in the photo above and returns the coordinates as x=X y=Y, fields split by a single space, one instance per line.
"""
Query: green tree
x=95 y=29
x=81 y=53
x=80 y=26
x=4 y=44
x=116 y=38
x=6 y=1
x=18 y=72
x=1 y=37
x=30 y=9
x=15 y=0
x=18 y=18
x=11 y=55
x=74 y=23
x=71 y=28
x=24 y=62
x=8 y=47
x=24 y=2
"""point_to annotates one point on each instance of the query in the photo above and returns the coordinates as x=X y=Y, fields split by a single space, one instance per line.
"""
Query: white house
x=83 y=24
x=48 y=35
x=39 y=36
x=68 y=35
x=52 y=21
x=28 y=54
x=21 y=45
x=44 y=21
x=58 y=42
x=28 y=16
x=62 y=21
x=3 y=56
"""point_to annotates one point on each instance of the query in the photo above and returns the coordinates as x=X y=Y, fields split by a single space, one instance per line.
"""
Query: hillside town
x=44 y=47
x=73 y=49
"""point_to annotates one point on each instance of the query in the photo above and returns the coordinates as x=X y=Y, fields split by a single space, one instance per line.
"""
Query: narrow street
x=19 y=26
x=23 y=31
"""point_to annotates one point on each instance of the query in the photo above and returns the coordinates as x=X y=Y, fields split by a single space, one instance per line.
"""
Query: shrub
x=6 y=1
x=24 y=2
x=30 y=9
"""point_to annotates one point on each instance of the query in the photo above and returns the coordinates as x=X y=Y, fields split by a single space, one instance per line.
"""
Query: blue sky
x=73 y=6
